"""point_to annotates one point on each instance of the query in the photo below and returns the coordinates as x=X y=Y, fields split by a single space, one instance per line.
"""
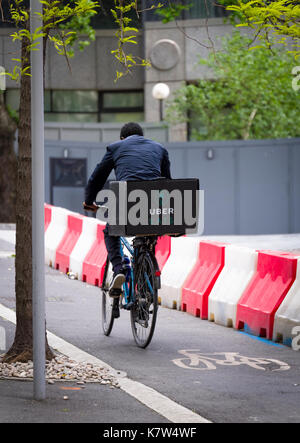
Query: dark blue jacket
x=134 y=158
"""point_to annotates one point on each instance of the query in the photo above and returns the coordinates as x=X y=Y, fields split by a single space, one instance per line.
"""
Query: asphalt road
x=224 y=375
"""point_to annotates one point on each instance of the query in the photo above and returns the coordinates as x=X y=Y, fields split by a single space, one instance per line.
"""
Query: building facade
x=251 y=187
x=87 y=94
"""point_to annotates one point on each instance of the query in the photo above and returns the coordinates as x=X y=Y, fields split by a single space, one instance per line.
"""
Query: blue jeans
x=113 y=247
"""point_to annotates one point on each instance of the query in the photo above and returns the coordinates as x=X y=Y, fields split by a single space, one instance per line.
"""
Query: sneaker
x=116 y=284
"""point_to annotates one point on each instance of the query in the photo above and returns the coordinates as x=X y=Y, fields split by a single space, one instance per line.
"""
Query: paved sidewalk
x=91 y=403
x=88 y=403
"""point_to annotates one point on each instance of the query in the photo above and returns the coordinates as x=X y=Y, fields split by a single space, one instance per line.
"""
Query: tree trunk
x=22 y=348
x=8 y=166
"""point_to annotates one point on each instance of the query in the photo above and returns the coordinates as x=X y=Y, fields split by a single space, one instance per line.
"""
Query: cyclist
x=134 y=157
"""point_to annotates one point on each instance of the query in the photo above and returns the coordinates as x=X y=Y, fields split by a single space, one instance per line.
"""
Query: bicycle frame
x=129 y=292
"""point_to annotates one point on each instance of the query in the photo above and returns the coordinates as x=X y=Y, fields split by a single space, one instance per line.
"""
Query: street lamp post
x=160 y=92
x=38 y=260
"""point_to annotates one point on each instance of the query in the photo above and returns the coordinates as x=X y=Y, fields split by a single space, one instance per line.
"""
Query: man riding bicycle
x=134 y=157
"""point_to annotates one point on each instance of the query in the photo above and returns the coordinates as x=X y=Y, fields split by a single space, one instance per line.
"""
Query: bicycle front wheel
x=144 y=310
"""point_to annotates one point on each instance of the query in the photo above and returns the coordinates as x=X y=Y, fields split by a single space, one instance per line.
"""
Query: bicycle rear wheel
x=108 y=303
x=144 y=311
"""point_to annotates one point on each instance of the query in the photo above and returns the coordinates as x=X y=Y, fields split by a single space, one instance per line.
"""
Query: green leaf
x=250 y=94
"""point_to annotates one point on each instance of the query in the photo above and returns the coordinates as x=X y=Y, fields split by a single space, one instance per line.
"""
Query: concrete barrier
x=55 y=232
x=68 y=242
x=94 y=261
x=240 y=266
x=184 y=253
x=267 y=289
x=83 y=245
x=287 y=316
x=48 y=215
x=202 y=278
x=163 y=251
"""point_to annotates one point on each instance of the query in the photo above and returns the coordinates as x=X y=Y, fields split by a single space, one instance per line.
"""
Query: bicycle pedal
x=114 y=293
x=128 y=306
x=116 y=312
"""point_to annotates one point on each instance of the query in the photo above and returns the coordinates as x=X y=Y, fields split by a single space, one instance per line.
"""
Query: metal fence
x=250 y=187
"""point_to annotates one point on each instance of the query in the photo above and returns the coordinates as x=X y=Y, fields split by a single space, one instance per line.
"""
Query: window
x=69 y=172
x=120 y=107
x=74 y=101
x=87 y=106
x=198 y=9
x=12 y=99
x=66 y=117
x=104 y=19
x=114 y=100
x=204 y=9
x=47 y=101
x=71 y=106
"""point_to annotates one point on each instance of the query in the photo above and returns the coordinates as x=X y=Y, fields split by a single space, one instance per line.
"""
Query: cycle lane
x=238 y=390
x=196 y=363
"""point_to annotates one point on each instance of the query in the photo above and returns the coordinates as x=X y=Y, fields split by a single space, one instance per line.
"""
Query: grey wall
x=93 y=68
x=100 y=132
x=250 y=187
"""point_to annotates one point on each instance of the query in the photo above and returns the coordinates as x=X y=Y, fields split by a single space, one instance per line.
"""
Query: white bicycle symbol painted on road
x=193 y=359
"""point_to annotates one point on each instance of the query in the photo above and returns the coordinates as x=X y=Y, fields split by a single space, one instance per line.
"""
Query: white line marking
x=159 y=403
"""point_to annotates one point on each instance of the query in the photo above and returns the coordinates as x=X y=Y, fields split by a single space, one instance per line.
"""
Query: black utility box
x=155 y=207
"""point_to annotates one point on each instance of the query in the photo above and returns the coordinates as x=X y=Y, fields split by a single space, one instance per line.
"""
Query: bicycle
x=139 y=292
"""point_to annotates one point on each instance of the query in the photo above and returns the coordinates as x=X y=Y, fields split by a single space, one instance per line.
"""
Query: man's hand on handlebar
x=92 y=207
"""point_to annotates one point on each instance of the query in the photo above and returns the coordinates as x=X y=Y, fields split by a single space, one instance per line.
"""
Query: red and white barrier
x=240 y=266
x=83 y=246
x=179 y=265
x=48 y=215
x=287 y=318
x=68 y=242
x=94 y=262
x=163 y=250
x=267 y=289
x=202 y=279
x=54 y=233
